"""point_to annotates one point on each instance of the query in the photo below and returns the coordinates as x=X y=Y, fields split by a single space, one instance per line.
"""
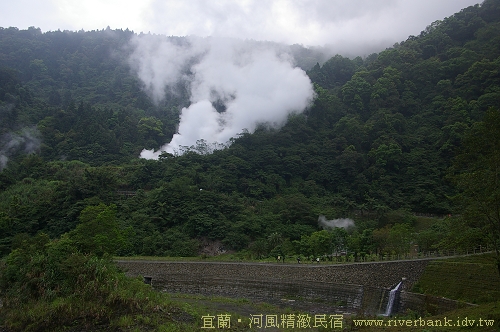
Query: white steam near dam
x=254 y=83
x=342 y=222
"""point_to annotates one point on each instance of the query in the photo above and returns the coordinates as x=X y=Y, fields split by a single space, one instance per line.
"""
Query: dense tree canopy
x=477 y=174
x=378 y=138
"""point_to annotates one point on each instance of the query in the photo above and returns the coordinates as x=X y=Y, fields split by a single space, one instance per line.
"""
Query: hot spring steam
x=254 y=84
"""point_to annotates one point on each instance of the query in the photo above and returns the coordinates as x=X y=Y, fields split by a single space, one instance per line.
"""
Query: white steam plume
x=254 y=84
x=27 y=140
x=342 y=222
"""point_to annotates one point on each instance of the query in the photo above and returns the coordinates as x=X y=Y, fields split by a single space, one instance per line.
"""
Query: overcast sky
x=346 y=24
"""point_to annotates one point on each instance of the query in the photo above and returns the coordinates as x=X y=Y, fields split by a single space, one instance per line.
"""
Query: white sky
x=346 y=24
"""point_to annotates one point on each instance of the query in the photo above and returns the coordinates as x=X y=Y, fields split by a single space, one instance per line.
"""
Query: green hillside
x=404 y=142
x=376 y=146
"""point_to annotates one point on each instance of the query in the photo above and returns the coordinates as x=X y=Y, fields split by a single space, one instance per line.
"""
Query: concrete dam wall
x=378 y=274
x=360 y=287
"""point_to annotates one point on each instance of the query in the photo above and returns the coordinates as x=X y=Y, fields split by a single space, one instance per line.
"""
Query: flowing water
x=392 y=298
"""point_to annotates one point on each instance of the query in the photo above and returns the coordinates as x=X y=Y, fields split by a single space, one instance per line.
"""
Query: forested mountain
x=379 y=137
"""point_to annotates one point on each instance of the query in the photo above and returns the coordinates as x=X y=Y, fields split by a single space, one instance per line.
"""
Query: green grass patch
x=48 y=285
x=473 y=279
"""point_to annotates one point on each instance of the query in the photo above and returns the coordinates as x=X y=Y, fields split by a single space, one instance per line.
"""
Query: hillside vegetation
x=378 y=140
x=406 y=142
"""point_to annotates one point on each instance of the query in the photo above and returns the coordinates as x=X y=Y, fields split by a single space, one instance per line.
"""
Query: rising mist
x=341 y=222
x=249 y=84
x=26 y=140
